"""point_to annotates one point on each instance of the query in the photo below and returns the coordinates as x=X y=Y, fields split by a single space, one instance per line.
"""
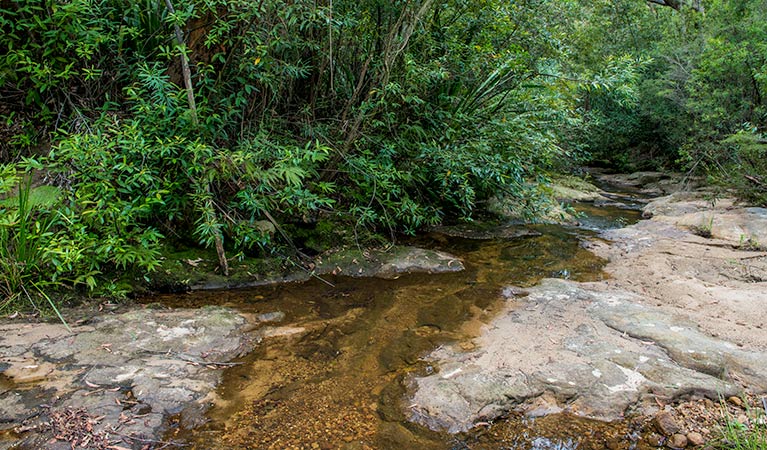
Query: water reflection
x=336 y=380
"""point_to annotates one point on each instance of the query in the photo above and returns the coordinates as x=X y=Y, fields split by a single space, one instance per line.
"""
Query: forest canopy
x=236 y=124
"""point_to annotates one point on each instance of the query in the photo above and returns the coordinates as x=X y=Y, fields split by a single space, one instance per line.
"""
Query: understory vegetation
x=696 y=98
x=130 y=126
x=736 y=435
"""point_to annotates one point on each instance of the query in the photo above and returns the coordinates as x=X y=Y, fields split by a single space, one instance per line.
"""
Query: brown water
x=339 y=383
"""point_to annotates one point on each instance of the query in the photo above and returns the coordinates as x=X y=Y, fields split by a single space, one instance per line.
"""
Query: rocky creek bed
x=647 y=347
x=680 y=318
x=121 y=378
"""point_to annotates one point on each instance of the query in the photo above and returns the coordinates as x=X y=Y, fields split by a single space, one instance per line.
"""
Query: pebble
x=665 y=423
x=467 y=346
x=743 y=419
x=678 y=441
x=695 y=439
x=655 y=440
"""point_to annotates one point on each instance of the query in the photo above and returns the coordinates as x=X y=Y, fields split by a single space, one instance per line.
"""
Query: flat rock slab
x=129 y=370
x=481 y=232
x=590 y=350
x=388 y=264
x=742 y=226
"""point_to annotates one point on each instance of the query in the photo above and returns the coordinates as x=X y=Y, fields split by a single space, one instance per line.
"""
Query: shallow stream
x=337 y=379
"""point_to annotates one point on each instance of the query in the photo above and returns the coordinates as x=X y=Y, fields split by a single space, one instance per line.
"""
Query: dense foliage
x=697 y=94
x=236 y=124
x=387 y=116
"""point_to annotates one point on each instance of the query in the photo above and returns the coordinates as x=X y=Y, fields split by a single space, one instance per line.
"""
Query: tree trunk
x=184 y=66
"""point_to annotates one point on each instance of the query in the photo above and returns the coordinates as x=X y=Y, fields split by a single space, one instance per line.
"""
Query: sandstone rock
x=655 y=440
x=665 y=423
x=159 y=360
x=742 y=418
x=695 y=439
x=677 y=441
x=676 y=204
x=482 y=232
x=388 y=264
x=611 y=352
x=722 y=219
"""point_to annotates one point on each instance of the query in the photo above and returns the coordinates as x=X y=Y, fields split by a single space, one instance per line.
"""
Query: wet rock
x=596 y=351
x=411 y=260
x=655 y=440
x=677 y=441
x=483 y=232
x=665 y=423
x=543 y=406
x=277 y=316
x=144 y=362
x=389 y=264
x=695 y=439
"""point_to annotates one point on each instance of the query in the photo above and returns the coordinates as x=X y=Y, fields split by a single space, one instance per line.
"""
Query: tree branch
x=677 y=4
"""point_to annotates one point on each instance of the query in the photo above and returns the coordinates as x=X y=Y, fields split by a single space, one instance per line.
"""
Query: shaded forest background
x=131 y=126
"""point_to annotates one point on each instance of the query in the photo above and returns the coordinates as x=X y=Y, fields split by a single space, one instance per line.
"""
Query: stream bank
x=525 y=338
x=679 y=319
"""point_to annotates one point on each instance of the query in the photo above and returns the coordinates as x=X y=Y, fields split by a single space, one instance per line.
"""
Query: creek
x=336 y=375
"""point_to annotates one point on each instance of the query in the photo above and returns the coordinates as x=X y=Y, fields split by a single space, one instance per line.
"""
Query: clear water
x=341 y=383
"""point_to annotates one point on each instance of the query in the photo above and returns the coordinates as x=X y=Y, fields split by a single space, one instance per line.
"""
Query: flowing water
x=341 y=384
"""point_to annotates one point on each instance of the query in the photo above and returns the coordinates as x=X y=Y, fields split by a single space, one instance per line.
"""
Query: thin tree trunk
x=219 y=238
x=184 y=66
